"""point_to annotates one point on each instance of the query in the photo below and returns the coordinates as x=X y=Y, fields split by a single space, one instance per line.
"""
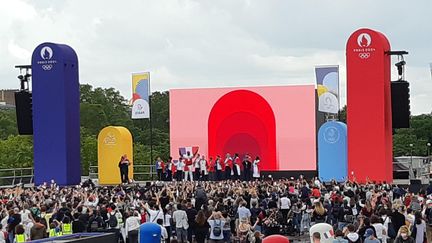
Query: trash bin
x=150 y=233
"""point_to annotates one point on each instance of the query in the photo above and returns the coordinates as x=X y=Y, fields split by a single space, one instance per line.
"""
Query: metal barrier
x=25 y=176
x=82 y=237
x=141 y=172
x=15 y=176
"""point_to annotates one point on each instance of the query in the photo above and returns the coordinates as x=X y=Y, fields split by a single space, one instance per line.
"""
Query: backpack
x=112 y=221
x=217 y=229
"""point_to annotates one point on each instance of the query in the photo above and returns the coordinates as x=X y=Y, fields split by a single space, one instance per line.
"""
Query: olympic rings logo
x=364 y=55
x=47 y=67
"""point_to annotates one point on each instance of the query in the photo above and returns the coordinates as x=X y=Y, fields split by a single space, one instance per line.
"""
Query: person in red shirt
x=316 y=193
x=211 y=169
x=189 y=168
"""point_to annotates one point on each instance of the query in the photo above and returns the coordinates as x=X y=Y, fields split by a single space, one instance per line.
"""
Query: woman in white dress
x=255 y=168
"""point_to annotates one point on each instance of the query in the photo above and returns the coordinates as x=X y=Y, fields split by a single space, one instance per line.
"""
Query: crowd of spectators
x=225 y=211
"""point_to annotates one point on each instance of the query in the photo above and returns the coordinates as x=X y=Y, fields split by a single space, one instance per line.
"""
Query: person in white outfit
x=203 y=168
x=255 y=168
x=132 y=225
x=189 y=167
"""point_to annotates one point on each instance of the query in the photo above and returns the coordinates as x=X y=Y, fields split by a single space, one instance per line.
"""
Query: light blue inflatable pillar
x=332 y=151
x=150 y=233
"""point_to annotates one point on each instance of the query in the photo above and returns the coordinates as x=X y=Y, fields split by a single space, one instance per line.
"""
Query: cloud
x=206 y=43
x=18 y=52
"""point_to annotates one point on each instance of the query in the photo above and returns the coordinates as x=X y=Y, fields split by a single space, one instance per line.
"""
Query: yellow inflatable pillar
x=113 y=143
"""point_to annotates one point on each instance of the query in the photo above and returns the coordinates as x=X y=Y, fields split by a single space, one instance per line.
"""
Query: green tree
x=419 y=134
x=343 y=114
x=93 y=117
x=7 y=123
x=89 y=154
x=16 y=152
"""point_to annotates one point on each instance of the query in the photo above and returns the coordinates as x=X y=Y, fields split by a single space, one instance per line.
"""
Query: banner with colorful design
x=328 y=88
x=140 y=95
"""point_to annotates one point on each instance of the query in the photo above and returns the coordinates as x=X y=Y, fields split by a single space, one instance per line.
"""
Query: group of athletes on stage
x=197 y=167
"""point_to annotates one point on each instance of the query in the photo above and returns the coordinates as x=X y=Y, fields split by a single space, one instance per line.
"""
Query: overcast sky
x=212 y=43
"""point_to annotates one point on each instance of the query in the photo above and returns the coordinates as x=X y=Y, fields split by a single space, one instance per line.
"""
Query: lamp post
x=428 y=150
x=411 y=159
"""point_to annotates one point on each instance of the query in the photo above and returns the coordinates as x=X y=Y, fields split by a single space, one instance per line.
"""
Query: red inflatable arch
x=242 y=122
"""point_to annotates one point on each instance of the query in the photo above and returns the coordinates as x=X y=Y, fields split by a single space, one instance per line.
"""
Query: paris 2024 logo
x=364 y=41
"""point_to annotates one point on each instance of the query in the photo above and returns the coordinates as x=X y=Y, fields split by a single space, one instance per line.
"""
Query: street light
x=428 y=151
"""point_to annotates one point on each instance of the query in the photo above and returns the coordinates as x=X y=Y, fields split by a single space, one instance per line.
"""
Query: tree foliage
x=99 y=107
x=7 y=124
x=102 y=107
x=419 y=134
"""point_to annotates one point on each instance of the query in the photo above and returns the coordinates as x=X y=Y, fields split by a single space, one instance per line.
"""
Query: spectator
x=191 y=213
x=216 y=222
x=38 y=231
x=132 y=225
x=351 y=235
x=380 y=229
x=243 y=212
x=13 y=221
x=404 y=235
x=419 y=228
x=397 y=218
x=316 y=237
x=19 y=234
x=263 y=204
x=166 y=222
x=180 y=219
x=201 y=227
x=370 y=237
x=164 y=233
x=339 y=237
x=319 y=213
x=3 y=235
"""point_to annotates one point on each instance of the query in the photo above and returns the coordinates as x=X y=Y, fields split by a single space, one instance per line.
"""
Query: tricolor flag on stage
x=192 y=150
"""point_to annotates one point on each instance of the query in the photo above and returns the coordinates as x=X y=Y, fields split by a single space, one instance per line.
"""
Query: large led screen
x=275 y=123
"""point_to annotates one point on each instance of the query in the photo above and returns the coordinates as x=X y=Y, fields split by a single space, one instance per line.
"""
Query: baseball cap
x=368 y=232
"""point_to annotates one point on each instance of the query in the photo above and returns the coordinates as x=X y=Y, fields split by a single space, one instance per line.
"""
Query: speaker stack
x=24 y=112
x=400 y=104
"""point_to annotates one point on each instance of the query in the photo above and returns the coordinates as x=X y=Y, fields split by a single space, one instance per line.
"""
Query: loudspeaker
x=415 y=186
x=400 y=104
x=24 y=112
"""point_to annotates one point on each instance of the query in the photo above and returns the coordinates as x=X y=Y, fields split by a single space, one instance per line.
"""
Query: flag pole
x=151 y=129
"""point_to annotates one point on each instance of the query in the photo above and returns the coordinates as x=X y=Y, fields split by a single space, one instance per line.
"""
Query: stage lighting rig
x=400 y=65
x=24 y=77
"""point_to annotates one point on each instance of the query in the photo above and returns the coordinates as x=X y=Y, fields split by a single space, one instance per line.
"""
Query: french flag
x=329 y=234
x=193 y=150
